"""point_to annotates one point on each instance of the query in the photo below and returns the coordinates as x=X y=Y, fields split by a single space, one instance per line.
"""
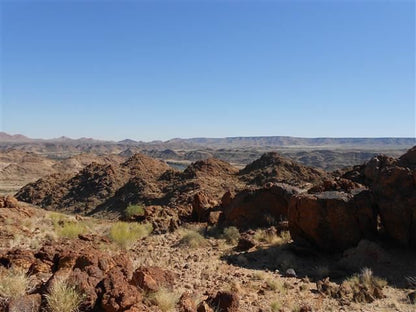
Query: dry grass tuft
x=275 y=306
x=231 y=235
x=192 y=239
x=14 y=283
x=126 y=234
x=166 y=300
x=63 y=297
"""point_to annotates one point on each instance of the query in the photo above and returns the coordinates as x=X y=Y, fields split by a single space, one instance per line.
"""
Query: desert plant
x=365 y=287
x=133 y=211
x=231 y=235
x=192 y=239
x=275 y=306
x=368 y=279
x=166 y=300
x=71 y=229
x=125 y=234
x=63 y=297
x=14 y=283
x=259 y=275
x=275 y=285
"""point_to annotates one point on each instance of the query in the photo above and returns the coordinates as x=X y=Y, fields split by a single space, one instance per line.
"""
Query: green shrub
x=231 y=235
x=71 y=229
x=133 y=211
x=125 y=234
x=63 y=297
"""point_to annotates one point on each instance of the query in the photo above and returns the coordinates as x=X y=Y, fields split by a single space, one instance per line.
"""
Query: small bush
x=231 y=235
x=125 y=234
x=63 y=297
x=14 y=283
x=71 y=229
x=165 y=299
x=365 y=287
x=192 y=239
x=58 y=218
x=133 y=211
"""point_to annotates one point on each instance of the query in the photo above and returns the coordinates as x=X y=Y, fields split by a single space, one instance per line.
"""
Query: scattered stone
x=291 y=273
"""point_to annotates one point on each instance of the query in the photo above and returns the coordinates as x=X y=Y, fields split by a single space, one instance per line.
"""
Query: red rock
x=152 y=278
x=118 y=293
x=225 y=301
x=261 y=207
x=186 y=304
x=332 y=221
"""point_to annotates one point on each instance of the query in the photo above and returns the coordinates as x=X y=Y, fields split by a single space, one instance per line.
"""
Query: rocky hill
x=107 y=189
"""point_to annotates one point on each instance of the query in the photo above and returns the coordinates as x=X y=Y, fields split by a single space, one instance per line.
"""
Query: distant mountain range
x=231 y=142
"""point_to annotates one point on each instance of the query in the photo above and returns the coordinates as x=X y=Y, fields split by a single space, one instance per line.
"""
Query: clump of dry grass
x=166 y=300
x=276 y=285
x=365 y=287
x=272 y=238
x=126 y=234
x=14 y=283
x=192 y=239
x=275 y=306
x=63 y=297
x=231 y=235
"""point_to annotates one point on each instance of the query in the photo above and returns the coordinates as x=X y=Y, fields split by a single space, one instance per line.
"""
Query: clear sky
x=161 y=69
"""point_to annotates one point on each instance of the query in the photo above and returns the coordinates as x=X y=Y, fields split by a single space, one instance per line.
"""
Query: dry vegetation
x=63 y=297
x=202 y=263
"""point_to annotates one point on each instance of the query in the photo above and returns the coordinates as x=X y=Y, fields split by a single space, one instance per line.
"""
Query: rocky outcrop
x=332 y=221
x=393 y=183
x=394 y=187
x=336 y=184
x=271 y=167
x=8 y=202
x=108 y=283
x=259 y=207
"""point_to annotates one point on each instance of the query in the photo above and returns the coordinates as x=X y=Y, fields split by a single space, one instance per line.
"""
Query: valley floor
x=205 y=261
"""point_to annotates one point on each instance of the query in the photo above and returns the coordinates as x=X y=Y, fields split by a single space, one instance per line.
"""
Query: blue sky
x=162 y=69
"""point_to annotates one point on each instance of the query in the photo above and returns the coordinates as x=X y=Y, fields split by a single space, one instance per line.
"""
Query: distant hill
x=231 y=142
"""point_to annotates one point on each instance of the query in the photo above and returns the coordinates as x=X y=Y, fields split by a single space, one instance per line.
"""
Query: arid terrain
x=89 y=226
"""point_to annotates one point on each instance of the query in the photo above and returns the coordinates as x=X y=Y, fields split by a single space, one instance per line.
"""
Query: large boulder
x=395 y=192
x=332 y=221
x=393 y=184
x=259 y=207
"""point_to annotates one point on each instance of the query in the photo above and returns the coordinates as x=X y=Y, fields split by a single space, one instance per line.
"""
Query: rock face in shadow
x=395 y=190
x=393 y=183
x=259 y=207
x=332 y=221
